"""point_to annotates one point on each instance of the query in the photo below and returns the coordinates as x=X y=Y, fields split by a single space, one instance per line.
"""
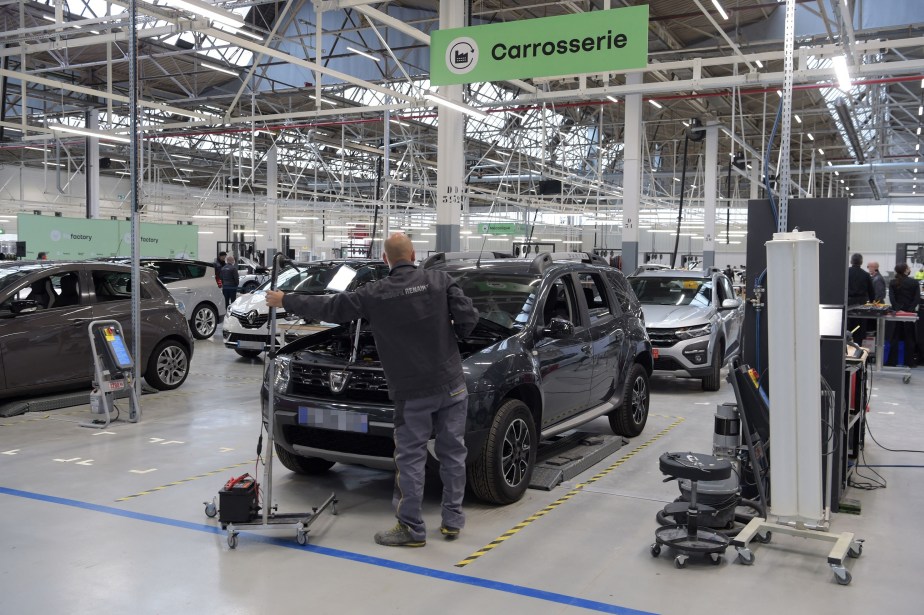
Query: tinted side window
x=195 y=271
x=115 y=286
x=598 y=301
x=624 y=294
x=168 y=272
x=561 y=302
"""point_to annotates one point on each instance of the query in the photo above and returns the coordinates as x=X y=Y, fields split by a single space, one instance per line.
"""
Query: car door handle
x=585 y=348
x=80 y=321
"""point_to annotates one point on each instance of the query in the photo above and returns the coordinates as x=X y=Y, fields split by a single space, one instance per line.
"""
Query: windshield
x=9 y=277
x=506 y=300
x=672 y=291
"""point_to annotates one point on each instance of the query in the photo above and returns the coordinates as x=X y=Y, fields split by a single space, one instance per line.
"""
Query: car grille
x=363 y=385
x=248 y=337
x=663 y=338
x=667 y=364
x=340 y=441
x=258 y=322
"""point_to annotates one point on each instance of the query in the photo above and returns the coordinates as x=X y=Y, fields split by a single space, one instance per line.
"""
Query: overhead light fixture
x=364 y=54
x=841 y=108
x=610 y=98
x=779 y=93
x=656 y=103
x=187 y=170
x=798 y=119
x=89 y=133
x=219 y=69
x=36 y=149
x=810 y=136
x=821 y=151
x=211 y=216
x=759 y=63
x=722 y=12
x=177 y=179
x=239 y=32
x=922 y=84
x=843 y=75
x=921 y=110
x=472 y=111
x=875 y=189
x=206 y=10
x=917 y=147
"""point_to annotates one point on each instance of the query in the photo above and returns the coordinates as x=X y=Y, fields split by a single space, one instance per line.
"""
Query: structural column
x=92 y=160
x=272 y=209
x=450 y=170
x=632 y=176
x=710 y=192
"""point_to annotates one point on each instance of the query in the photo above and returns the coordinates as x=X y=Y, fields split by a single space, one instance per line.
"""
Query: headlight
x=688 y=333
x=281 y=381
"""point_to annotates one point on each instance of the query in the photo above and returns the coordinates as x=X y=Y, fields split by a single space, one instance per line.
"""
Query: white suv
x=195 y=288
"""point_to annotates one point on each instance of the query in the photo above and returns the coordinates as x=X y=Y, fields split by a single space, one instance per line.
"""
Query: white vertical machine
x=795 y=403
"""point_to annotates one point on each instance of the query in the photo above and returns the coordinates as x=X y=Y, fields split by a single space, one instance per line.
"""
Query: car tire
x=629 y=418
x=248 y=354
x=248 y=287
x=713 y=382
x=501 y=473
x=204 y=321
x=310 y=466
x=168 y=366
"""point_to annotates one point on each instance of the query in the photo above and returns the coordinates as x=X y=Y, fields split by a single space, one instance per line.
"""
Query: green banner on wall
x=593 y=42
x=78 y=238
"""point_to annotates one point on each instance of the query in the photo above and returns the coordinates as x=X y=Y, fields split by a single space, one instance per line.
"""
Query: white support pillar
x=272 y=209
x=632 y=176
x=92 y=171
x=450 y=157
x=755 y=179
x=710 y=192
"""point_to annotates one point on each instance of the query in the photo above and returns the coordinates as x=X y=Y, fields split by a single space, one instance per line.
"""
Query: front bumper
x=691 y=357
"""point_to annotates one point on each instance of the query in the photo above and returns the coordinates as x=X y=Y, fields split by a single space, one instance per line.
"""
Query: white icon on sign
x=56 y=235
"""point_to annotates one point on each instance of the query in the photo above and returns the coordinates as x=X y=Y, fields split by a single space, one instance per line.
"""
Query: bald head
x=872 y=266
x=398 y=247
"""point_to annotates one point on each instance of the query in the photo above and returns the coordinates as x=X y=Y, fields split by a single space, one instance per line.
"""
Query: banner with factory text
x=78 y=238
x=593 y=42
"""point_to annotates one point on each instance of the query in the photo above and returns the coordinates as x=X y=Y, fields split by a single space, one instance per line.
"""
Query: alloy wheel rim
x=639 y=400
x=516 y=451
x=172 y=365
x=205 y=321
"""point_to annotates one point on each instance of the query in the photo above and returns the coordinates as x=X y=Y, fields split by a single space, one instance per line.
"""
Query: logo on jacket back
x=338 y=380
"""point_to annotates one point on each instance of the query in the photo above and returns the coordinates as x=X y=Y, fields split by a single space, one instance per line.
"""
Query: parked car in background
x=694 y=320
x=557 y=344
x=194 y=286
x=246 y=329
x=251 y=273
x=46 y=307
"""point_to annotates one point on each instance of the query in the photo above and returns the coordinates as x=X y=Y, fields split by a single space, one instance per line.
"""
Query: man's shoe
x=398 y=536
x=451 y=533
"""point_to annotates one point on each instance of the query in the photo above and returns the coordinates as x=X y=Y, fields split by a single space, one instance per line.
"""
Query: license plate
x=250 y=345
x=339 y=420
x=654 y=353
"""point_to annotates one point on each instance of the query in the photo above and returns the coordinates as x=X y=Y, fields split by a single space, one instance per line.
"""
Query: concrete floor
x=113 y=522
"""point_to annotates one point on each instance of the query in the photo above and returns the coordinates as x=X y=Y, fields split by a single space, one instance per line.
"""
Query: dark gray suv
x=45 y=307
x=558 y=343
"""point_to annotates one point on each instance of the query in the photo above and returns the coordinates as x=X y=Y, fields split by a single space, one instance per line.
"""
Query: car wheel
x=248 y=287
x=713 y=381
x=302 y=465
x=204 y=321
x=168 y=366
x=629 y=418
x=501 y=473
x=248 y=354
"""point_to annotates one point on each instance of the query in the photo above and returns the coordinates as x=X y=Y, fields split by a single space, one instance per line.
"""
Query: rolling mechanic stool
x=688 y=538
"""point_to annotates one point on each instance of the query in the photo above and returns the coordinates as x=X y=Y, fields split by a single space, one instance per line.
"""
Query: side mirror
x=558 y=328
x=24 y=306
x=731 y=304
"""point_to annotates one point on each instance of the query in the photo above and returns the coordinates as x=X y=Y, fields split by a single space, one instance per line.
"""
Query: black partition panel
x=830 y=220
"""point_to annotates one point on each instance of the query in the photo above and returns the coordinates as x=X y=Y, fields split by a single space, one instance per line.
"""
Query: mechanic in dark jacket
x=230 y=278
x=904 y=295
x=416 y=316
x=859 y=291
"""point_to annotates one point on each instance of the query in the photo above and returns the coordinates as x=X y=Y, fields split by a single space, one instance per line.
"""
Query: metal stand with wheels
x=270 y=519
x=112 y=373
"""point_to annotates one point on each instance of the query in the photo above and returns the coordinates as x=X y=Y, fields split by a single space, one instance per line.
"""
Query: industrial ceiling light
x=843 y=75
x=616 y=101
x=810 y=136
x=656 y=104
x=363 y=54
x=722 y=12
x=89 y=133
x=875 y=189
x=759 y=63
x=206 y=10
x=798 y=119
x=472 y=111
x=821 y=151
x=219 y=69
x=841 y=107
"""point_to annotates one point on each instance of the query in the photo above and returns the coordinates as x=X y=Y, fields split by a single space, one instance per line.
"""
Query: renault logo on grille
x=252 y=317
x=338 y=380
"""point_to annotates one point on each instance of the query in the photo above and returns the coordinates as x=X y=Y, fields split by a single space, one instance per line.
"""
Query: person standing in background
x=904 y=295
x=42 y=256
x=879 y=284
x=219 y=263
x=859 y=291
x=230 y=278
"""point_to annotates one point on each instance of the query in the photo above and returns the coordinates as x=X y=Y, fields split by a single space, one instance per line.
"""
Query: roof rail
x=443 y=257
x=544 y=259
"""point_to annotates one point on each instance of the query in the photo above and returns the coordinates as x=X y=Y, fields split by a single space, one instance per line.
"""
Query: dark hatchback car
x=45 y=307
x=558 y=344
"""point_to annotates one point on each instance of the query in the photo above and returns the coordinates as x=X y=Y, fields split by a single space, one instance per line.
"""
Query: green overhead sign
x=502 y=228
x=79 y=238
x=594 y=42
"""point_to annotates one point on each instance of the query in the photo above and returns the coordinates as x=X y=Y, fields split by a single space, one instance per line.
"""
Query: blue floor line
x=432 y=573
